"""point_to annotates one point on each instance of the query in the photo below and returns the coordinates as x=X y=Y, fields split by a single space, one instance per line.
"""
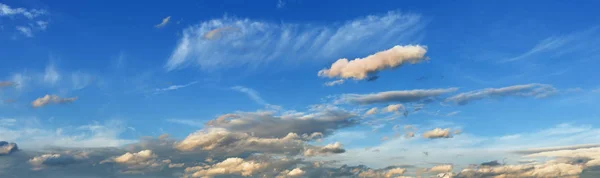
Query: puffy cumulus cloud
x=394 y=108
x=7 y=148
x=164 y=22
x=56 y=159
x=360 y=68
x=438 y=133
x=141 y=162
x=228 y=42
x=443 y=168
x=535 y=90
x=296 y=172
x=32 y=19
x=254 y=167
x=319 y=119
x=371 y=111
x=333 y=148
x=402 y=96
x=51 y=99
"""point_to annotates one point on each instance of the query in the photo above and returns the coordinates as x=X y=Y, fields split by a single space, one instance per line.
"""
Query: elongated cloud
x=534 y=90
x=437 y=133
x=6 y=84
x=334 y=83
x=402 y=96
x=371 y=111
x=359 y=68
x=258 y=43
x=267 y=124
x=164 y=22
x=253 y=94
x=6 y=10
x=394 y=108
x=51 y=99
x=173 y=87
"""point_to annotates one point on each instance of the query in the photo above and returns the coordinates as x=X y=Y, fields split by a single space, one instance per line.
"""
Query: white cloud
x=257 y=43
x=173 y=87
x=360 y=68
x=164 y=22
x=193 y=123
x=37 y=136
x=577 y=44
x=437 y=133
x=25 y=31
x=253 y=94
x=334 y=83
x=535 y=90
x=6 y=10
x=51 y=76
x=29 y=14
x=81 y=80
x=395 y=108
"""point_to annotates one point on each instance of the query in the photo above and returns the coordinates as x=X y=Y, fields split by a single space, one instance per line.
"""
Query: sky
x=299 y=88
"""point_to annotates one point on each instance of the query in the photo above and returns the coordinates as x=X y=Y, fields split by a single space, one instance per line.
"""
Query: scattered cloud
x=360 y=68
x=535 y=90
x=7 y=148
x=395 y=96
x=251 y=93
x=51 y=99
x=193 y=123
x=574 y=44
x=453 y=113
x=173 y=87
x=437 y=133
x=273 y=41
x=280 y=4
x=371 y=111
x=25 y=31
x=28 y=19
x=51 y=75
x=164 y=22
x=394 y=108
x=334 y=83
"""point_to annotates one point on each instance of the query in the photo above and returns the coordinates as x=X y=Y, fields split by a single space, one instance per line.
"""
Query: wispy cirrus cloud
x=164 y=22
x=577 y=44
x=258 y=43
x=534 y=90
x=253 y=94
x=173 y=87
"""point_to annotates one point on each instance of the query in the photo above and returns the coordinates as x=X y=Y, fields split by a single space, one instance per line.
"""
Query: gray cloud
x=6 y=84
x=402 y=96
x=535 y=90
x=7 y=148
x=323 y=120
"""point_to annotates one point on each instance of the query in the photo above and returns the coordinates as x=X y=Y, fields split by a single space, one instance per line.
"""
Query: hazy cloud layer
x=256 y=43
x=534 y=90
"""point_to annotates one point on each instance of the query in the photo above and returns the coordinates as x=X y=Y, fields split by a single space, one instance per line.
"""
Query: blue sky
x=509 y=74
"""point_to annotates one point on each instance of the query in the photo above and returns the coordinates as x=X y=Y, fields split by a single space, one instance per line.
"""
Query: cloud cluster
x=51 y=99
x=535 y=90
x=402 y=96
x=360 y=68
x=228 y=42
x=32 y=21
